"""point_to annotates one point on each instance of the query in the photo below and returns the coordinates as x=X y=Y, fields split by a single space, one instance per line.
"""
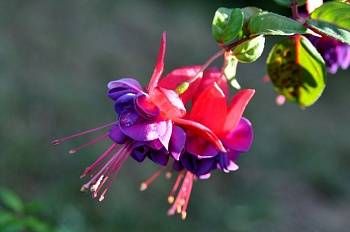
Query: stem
x=219 y=54
x=295 y=12
x=238 y=42
x=207 y=63
x=320 y=32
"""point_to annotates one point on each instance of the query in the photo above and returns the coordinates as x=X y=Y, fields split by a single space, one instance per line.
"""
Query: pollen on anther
x=183 y=215
x=171 y=199
x=168 y=175
x=143 y=186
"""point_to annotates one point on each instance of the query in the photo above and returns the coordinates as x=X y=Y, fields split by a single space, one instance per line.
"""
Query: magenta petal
x=155 y=144
x=145 y=106
x=177 y=142
x=241 y=138
x=142 y=130
x=127 y=83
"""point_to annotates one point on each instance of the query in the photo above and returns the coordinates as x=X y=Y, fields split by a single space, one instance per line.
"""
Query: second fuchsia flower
x=154 y=124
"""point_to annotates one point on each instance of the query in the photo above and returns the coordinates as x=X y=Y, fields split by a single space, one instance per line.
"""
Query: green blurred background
x=55 y=60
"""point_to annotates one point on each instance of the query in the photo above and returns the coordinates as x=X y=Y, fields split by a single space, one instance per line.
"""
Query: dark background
x=55 y=60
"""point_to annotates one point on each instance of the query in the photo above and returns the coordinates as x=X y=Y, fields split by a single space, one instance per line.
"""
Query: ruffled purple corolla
x=141 y=123
x=335 y=53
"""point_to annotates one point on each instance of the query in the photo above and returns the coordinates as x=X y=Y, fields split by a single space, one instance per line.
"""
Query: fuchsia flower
x=216 y=135
x=154 y=124
x=143 y=127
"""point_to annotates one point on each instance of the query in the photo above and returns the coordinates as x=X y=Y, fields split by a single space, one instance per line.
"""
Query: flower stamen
x=176 y=185
x=181 y=203
x=98 y=161
x=105 y=176
x=91 y=142
x=61 y=140
x=144 y=185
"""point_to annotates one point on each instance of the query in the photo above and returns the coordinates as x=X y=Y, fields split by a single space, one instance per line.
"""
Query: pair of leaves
x=297 y=70
x=332 y=19
x=230 y=24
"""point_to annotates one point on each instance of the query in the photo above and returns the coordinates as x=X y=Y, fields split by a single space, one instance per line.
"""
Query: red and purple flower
x=154 y=124
x=216 y=135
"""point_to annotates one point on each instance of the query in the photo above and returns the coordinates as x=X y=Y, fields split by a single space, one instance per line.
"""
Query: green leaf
x=6 y=217
x=287 y=3
x=250 y=50
x=35 y=224
x=11 y=200
x=249 y=12
x=297 y=70
x=335 y=13
x=227 y=24
x=332 y=19
x=268 y=23
x=330 y=30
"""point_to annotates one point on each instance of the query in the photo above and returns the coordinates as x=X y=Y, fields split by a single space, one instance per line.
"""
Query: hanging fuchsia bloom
x=335 y=53
x=215 y=133
x=143 y=128
x=154 y=124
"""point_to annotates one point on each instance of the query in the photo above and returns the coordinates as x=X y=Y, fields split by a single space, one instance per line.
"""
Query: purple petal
x=116 y=93
x=197 y=166
x=205 y=176
x=140 y=152
x=116 y=135
x=159 y=157
x=344 y=56
x=177 y=166
x=142 y=130
x=200 y=148
x=241 y=138
x=127 y=83
x=177 y=142
x=124 y=102
x=226 y=164
x=123 y=86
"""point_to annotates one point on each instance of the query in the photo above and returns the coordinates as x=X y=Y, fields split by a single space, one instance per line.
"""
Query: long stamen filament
x=176 y=185
x=98 y=161
x=91 y=142
x=181 y=202
x=61 y=140
x=144 y=185
x=103 y=179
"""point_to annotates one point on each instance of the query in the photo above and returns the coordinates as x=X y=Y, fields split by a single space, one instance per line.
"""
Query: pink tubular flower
x=216 y=132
